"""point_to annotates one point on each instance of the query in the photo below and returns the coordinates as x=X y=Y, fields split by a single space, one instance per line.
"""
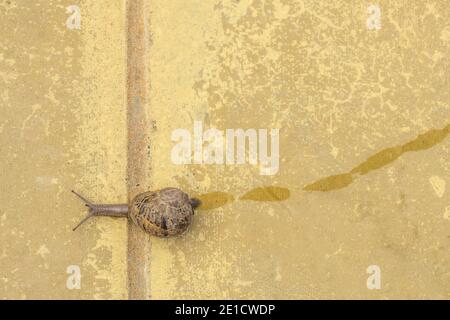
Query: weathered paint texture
x=373 y=103
x=63 y=127
x=364 y=121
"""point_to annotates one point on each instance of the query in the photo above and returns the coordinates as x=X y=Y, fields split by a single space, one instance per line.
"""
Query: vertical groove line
x=138 y=160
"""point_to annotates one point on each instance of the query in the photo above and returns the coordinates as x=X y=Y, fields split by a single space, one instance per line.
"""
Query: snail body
x=163 y=213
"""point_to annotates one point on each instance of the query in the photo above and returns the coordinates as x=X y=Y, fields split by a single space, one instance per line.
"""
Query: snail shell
x=166 y=212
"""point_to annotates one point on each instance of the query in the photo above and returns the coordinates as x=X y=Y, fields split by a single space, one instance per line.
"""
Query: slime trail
x=213 y=200
x=380 y=159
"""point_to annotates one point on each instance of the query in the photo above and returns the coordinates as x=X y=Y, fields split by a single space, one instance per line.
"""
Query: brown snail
x=163 y=213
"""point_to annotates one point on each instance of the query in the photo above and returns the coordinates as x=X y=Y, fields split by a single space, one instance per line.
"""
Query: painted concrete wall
x=342 y=96
x=63 y=127
x=363 y=119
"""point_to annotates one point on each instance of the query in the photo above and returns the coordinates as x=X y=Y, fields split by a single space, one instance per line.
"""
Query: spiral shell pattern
x=163 y=213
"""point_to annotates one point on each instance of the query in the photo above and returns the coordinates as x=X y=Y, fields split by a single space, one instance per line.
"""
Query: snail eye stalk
x=111 y=210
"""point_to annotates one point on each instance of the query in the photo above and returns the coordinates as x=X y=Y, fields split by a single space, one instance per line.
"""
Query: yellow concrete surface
x=62 y=127
x=363 y=117
x=373 y=103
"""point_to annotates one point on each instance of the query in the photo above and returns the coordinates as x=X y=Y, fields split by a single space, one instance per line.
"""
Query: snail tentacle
x=112 y=210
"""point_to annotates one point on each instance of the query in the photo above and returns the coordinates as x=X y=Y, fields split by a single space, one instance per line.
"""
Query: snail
x=163 y=213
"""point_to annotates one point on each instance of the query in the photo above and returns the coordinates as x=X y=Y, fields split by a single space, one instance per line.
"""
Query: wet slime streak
x=213 y=200
x=380 y=159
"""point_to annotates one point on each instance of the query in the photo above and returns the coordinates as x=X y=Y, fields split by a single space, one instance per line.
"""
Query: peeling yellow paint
x=438 y=185
x=336 y=91
x=63 y=126
x=102 y=139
